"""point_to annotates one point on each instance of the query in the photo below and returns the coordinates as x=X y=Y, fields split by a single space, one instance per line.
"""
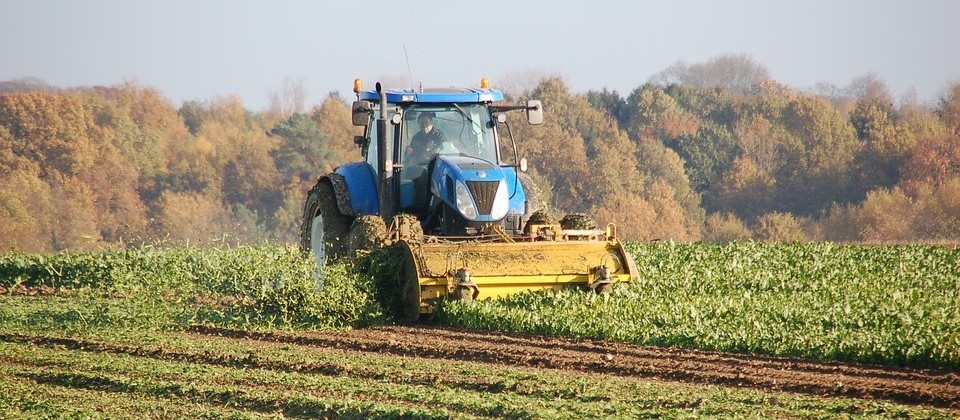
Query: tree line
x=714 y=151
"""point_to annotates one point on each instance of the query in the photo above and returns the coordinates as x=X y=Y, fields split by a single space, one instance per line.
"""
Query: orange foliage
x=191 y=217
x=334 y=119
x=746 y=190
x=25 y=219
x=50 y=129
x=723 y=228
x=632 y=214
x=932 y=163
x=950 y=108
x=779 y=227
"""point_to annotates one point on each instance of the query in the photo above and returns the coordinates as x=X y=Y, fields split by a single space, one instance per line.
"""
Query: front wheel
x=324 y=229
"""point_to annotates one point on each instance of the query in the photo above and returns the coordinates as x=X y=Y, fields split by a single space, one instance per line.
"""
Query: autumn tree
x=723 y=228
x=73 y=147
x=610 y=102
x=603 y=166
x=555 y=141
x=193 y=114
x=333 y=118
x=25 y=212
x=655 y=114
x=302 y=151
x=779 y=227
x=49 y=129
x=290 y=98
x=734 y=72
x=747 y=190
x=814 y=149
x=932 y=163
x=869 y=87
x=950 y=108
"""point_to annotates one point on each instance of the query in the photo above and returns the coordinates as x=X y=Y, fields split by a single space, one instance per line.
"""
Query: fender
x=356 y=189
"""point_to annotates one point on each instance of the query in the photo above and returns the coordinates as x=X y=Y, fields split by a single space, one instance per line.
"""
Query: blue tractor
x=452 y=195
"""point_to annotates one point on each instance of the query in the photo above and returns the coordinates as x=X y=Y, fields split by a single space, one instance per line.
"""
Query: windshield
x=447 y=129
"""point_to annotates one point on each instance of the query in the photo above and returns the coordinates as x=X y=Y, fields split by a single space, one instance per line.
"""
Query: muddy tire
x=539 y=217
x=367 y=233
x=408 y=228
x=578 y=221
x=324 y=228
x=534 y=197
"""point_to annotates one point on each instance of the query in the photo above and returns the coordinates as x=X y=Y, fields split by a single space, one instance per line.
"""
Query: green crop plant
x=892 y=304
x=241 y=286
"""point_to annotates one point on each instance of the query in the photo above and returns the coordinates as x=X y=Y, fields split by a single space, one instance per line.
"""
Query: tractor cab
x=454 y=130
x=443 y=159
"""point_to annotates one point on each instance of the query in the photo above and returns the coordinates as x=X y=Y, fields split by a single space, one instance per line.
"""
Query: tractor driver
x=427 y=141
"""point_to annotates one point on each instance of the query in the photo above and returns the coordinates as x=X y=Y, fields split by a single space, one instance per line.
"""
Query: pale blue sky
x=203 y=49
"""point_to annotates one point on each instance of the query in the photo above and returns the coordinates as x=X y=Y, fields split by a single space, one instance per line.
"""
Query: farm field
x=243 y=333
x=426 y=372
x=895 y=305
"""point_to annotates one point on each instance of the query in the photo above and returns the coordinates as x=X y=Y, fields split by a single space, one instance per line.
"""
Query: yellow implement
x=471 y=270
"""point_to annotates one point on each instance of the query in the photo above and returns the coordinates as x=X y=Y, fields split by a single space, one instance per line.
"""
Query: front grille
x=483 y=192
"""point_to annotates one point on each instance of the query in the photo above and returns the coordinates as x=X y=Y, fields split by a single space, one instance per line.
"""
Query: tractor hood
x=478 y=189
x=467 y=168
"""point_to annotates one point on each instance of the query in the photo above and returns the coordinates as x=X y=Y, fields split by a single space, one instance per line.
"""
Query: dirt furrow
x=913 y=386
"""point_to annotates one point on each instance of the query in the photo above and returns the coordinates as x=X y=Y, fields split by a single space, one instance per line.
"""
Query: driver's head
x=426 y=122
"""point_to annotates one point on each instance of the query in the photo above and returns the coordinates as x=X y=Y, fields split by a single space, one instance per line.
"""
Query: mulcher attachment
x=496 y=266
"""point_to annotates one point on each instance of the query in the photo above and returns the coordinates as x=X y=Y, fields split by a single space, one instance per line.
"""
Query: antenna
x=407 y=57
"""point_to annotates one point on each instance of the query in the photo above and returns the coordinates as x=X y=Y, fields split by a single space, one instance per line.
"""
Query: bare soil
x=929 y=387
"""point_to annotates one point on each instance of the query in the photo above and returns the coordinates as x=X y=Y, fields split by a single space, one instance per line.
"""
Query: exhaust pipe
x=385 y=163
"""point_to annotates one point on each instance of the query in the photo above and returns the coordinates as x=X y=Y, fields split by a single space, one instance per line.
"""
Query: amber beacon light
x=357 y=85
x=484 y=83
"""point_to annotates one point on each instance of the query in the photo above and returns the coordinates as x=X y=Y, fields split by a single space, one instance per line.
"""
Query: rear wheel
x=366 y=234
x=532 y=192
x=324 y=229
x=578 y=221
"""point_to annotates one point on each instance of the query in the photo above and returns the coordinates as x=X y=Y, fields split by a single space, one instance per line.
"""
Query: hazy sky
x=203 y=49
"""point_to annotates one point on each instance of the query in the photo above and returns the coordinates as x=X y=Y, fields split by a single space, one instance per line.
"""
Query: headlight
x=465 y=202
x=501 y=202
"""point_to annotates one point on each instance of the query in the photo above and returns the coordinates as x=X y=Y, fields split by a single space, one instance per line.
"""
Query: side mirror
x=501 y=118
x=361 y=112
x=534 y=112
x=396 y=119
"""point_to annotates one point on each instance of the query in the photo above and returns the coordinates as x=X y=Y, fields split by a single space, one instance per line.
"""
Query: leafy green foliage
x=243 y=286
x=893 y=305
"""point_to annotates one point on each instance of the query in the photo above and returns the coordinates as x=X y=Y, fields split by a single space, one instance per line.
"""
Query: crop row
x=892 y=305
x=241 y=286
x=175 y=374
